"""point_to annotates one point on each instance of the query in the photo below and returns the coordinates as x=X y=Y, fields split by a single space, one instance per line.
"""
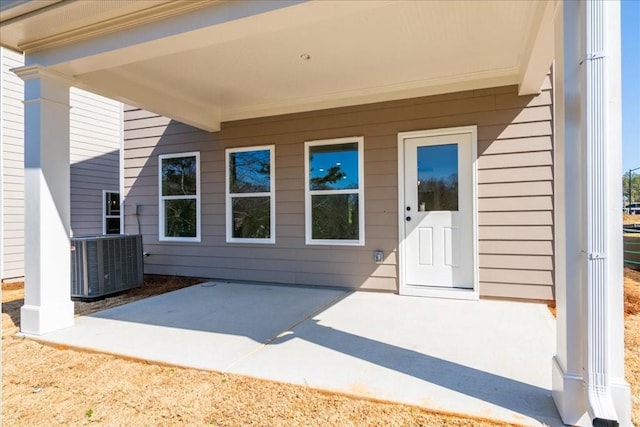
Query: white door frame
x=456 y=293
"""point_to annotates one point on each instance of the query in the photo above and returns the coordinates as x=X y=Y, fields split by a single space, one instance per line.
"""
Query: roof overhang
x=206 y=62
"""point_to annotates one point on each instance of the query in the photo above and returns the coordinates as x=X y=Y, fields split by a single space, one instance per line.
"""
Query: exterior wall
x=95 y=138
x=11 y=165
x=515 y=174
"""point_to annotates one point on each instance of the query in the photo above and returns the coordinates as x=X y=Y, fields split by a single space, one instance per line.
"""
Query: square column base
x=569 y=395
x=39 y=320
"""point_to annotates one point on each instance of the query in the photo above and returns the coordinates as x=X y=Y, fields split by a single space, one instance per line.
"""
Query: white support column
x=48 y=304
x=588 y=369
x=567 y=364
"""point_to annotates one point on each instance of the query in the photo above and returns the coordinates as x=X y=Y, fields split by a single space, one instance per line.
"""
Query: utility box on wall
x=104 y=265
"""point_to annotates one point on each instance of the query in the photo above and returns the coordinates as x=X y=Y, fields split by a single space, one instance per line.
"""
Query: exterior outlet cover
x=378 y=257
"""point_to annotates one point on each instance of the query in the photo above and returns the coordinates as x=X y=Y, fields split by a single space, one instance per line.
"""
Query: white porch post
x=47 y=299
x=588 y=369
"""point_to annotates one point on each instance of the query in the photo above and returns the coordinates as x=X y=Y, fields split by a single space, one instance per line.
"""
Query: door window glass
x=438 y=178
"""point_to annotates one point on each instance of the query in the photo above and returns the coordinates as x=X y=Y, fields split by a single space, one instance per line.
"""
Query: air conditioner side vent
x=104 y=265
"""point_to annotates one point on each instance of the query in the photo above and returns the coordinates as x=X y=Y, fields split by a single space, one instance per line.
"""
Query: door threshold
x=440 y=292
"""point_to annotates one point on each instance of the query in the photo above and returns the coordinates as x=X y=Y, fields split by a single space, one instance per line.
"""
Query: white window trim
x=104 y=210
x=271 y=194
x=161 y=198
x=360 y=191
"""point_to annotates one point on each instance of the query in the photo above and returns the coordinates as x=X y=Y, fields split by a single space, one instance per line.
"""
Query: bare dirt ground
x=632 y=330
x=44 y=385
x=630 y=219
x=632 y=338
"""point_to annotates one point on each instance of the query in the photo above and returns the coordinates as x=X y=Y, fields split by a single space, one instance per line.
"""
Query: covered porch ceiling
x=207 y=62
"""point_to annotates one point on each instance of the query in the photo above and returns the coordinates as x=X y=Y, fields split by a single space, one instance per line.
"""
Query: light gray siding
x=12 y=165
x=95 y=138
x=515 y=175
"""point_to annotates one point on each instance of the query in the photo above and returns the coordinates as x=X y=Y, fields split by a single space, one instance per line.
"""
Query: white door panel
x=437 y=222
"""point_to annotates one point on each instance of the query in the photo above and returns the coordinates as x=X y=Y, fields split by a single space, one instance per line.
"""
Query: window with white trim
x=110 y=212
x=250 y=191
x=179 y=204
x=334 y=191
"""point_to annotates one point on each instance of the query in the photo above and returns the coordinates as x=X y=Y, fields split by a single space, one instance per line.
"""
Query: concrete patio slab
x=486 y=358
x=482 y=358
x=206 y=326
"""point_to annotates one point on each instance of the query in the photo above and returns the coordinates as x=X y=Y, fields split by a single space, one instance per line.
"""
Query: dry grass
x=631 y=292
x=632 y=338
x=630 y=219
x=45 y=386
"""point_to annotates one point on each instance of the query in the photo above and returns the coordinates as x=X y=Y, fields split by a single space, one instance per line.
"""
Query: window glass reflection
x=438 y=178
x=335 y=216
x=333 y=167
x=179 y=176
x=250 y=171
x=251 y=217
x=180 y=218
x=112 y=203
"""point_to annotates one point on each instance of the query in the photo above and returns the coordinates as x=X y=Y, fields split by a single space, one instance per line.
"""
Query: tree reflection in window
x=179 y=176
x=249 y=195
x=438 y=178
x=334 y=188
x=180 y=218
x=179 y=194
x=335 y=216
x=250 y=171
x=333 y=167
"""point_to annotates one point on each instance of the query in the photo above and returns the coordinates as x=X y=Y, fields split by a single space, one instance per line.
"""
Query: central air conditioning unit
x=104 y=265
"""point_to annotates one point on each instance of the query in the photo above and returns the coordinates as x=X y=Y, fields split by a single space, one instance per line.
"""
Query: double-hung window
x=179 y=180
x=110 y=212
x=334 y=192
x=250 y=192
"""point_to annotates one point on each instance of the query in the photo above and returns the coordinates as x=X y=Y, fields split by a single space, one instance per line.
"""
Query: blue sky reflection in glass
x=333 y=166
x=250 y=171
x=438 y=178
x=437 y=162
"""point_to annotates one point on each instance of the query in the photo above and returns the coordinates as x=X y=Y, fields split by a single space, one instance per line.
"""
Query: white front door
x=437 y=218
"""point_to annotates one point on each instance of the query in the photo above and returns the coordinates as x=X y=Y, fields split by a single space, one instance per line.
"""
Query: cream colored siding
x=95 y=138
x=12 y=153
x=515 y=173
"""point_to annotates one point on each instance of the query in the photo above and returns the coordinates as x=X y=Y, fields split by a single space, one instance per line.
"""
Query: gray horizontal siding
x=515 y=191
x=12 y=162
x=95 y=138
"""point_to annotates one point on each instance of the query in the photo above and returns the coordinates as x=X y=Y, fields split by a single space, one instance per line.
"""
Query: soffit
x=385 y=49
x=251 y=65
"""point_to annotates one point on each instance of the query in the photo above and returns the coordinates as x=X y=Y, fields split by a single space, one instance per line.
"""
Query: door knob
x=408 y=208
x=408 y=218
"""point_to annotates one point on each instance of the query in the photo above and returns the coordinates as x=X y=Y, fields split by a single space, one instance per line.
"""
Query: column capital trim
x=33 y=72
